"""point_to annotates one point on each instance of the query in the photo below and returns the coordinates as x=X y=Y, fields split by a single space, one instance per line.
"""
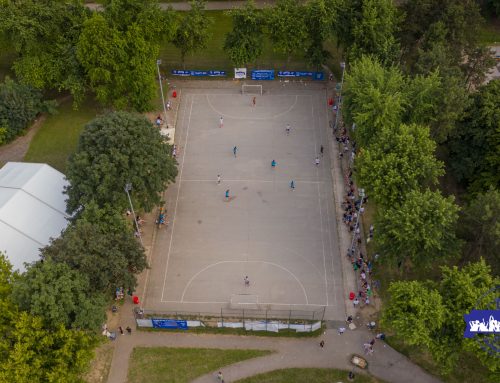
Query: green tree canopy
x=60 y=296
x=114 y=150
x=118 y=49
x=8 y=310
x=19 y=105
x=475 y=147
x=286 y=26
x=414 y=311
x=320 y=18
x=480 y=227
x=421 y=229
x=44 y=34
x=38 y=355
x=101 y=246
x=374 y=33
x=374 y=98
x=192 y=33
x=399 y=161
x=244 y=44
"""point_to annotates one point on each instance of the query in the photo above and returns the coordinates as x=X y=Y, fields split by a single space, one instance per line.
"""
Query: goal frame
x=251 y=86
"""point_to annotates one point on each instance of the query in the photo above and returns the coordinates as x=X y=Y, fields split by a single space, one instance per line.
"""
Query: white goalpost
x=251 y=89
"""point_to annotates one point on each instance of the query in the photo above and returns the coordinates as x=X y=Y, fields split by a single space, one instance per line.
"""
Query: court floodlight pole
x=158 y=62
x=127 y=188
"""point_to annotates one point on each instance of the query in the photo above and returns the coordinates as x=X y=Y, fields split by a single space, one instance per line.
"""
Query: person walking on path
x=247 y=281
x=341 y=330
x=121 y=329
x=221 y=122
x=220 y=377
x=355 y=302
x=254 y=100
x=129 y=330
x=316 y=161
x=292 y=185
x=227 y=195
x=322 y=344
x=287 y=129
x=235 y=149
x=218 y=179
x=321 y=150
x=273 y=164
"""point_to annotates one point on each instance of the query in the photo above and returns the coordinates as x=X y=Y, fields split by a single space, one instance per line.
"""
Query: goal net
x=251 y=89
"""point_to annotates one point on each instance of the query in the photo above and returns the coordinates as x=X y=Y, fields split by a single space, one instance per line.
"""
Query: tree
x=114 y=150
x=475 y=146
x=192 y=33
x=461 y=290
x=118 y=49
x=100 y=246
x=399 y=161
x=39 y=355
x=374 y=32
x=44 y=34
x=19 y=105
x=373 y=98
x=8 y=310
x=245 y=42
x=286 y=26
x=60 y=296
x=421 y=229
x=414 y=311
x=320 y=17
x=480 y=228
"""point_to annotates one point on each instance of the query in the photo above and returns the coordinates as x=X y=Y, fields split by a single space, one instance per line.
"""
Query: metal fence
x=289 y=317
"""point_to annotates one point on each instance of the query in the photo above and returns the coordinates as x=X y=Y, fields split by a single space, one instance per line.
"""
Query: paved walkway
x=385 y=363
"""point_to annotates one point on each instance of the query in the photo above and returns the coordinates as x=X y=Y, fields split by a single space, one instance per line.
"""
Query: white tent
x=32 y=210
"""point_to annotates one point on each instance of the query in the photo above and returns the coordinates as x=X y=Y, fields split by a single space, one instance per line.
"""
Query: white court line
x=177 y=198
x=264 y=262
x=328 y=210
x=319 y=201
x=251 y=118
x=260 y=303
x=256 y=181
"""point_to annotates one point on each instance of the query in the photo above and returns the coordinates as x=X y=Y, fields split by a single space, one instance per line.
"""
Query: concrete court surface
x=284 y=240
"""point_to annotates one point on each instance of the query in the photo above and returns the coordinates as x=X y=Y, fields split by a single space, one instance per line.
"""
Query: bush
x=19 y=105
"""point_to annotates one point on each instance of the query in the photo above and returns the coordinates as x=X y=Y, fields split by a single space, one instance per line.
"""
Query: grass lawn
x=101 y=364
x=300 y=375
x=490 y=32
x=214 y=57
x=58 y=136
x=168 y=365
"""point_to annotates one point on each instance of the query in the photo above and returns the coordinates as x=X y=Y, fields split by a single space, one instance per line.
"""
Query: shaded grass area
x=489 y=33
x=179 y=365
x=214 y=57
x=300 y=375
x=101 y=364
x=58 y=137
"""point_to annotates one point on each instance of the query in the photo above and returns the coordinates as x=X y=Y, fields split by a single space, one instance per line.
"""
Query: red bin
x=135 y=299
x=174 y=94
x=352 y=295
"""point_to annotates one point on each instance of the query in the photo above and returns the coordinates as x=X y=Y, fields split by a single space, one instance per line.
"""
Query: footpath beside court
x=385 y=363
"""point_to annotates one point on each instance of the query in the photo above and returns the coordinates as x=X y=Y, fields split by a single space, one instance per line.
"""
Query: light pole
x=342 y=65
x=128 y=188
x=158 y=62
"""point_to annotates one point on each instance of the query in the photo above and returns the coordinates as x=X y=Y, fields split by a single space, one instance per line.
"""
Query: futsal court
x=283 y=239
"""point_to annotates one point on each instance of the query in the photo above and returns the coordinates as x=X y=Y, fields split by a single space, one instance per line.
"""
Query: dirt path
x=17 y=149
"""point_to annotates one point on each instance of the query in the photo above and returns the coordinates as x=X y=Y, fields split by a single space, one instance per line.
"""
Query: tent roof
x=32 y=209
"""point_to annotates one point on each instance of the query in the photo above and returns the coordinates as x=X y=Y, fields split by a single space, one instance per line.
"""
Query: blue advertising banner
x=199 y=73
x=170 y=324
x=263 y=75
x=313 y=75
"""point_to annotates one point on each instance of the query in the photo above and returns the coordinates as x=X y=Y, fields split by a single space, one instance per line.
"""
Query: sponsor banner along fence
x=199 y=73
x=312 y=75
